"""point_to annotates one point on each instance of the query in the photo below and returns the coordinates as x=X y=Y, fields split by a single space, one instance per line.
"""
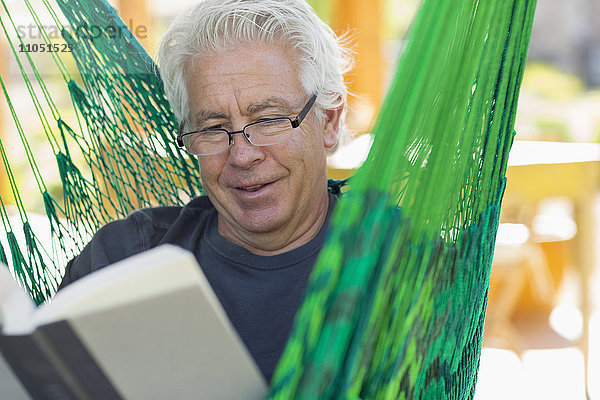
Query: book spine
x=53 y=363
x=83 y=367
x=37 y=373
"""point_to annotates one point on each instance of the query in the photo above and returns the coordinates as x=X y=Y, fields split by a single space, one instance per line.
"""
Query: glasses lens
x=269 y=132
x=206 y=142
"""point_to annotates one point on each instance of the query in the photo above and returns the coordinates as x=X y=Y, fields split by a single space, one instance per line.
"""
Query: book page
x=171 y=346
x=142 y=276
x=16 y=307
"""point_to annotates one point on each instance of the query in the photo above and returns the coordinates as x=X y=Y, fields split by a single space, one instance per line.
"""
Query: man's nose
x=244 y=154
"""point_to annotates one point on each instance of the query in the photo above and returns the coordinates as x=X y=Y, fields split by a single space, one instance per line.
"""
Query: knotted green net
x=396 y=303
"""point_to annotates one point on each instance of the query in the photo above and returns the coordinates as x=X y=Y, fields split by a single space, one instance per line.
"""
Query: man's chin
x=263 y=221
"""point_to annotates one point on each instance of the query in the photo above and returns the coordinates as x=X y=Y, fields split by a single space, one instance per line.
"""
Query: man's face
x=281 y=188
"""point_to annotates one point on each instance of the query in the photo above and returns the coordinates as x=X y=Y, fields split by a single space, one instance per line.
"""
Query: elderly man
x=257 y=87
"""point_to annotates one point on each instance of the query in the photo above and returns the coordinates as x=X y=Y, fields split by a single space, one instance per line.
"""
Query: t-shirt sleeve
x=111 y=243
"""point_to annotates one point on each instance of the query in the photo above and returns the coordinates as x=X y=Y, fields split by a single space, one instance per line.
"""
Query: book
x=147 y=327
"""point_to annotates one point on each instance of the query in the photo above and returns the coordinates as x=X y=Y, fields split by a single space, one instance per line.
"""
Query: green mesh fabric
x=396 y=303
x=116 y=155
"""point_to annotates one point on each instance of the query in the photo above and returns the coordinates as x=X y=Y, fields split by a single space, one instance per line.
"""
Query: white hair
x=215 y=26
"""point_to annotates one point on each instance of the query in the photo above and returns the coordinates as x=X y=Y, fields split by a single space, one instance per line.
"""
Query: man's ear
x=331 y=129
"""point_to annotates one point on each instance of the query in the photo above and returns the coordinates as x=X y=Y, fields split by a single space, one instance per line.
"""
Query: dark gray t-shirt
x=260 y=294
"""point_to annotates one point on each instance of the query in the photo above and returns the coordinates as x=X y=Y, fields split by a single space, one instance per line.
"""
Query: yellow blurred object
x=138 y=18
x=364 y=21
x=540 y=170
x=550 y=82
x=558 y=256
x=517 y=268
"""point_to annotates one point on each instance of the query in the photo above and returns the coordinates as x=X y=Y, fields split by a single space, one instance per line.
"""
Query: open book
x=148 y=327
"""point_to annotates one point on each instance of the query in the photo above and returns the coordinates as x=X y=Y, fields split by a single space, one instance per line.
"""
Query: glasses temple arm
x=180 y=134
x=305 y=110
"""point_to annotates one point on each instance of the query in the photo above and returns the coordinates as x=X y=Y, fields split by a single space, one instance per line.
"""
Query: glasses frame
x=294 y=122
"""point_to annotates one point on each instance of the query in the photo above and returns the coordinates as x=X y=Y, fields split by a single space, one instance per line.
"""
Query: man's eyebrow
x=204 y=115
x=272 y=102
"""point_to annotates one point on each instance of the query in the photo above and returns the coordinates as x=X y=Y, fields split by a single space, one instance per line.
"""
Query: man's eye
x=268 y=118
x=211 y=132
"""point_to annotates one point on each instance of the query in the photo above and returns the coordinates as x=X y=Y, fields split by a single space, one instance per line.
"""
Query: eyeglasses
x=264 y=132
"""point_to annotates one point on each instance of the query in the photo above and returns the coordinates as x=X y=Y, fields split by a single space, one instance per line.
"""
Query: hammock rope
x=114 y=150
x=398 y=309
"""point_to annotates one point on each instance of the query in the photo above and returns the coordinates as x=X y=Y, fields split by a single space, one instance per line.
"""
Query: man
x=257 y=87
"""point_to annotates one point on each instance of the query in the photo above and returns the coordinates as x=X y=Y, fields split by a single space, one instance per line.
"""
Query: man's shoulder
x=147 y=227
x=139 y=231
x=164 y=217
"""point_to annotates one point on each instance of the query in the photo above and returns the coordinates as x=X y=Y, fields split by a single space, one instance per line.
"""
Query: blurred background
x=542 y=332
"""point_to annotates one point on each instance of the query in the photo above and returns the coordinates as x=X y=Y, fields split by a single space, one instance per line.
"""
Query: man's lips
x=253 y=186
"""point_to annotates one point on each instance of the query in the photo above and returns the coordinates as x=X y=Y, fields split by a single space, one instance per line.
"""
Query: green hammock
x=396 y=302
